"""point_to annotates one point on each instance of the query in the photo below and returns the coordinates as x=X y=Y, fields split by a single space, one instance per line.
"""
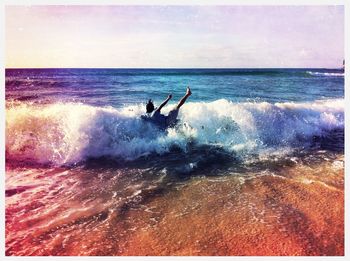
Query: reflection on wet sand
x=267 y=215
x=296 y=211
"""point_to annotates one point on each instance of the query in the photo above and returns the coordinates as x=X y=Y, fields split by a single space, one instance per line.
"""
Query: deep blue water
x=120 y=87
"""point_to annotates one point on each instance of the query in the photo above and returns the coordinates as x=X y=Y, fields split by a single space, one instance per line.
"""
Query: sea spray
x=67 y=133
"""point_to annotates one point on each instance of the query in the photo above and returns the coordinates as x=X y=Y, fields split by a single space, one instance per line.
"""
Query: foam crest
x=66 y=133
x=329 y=74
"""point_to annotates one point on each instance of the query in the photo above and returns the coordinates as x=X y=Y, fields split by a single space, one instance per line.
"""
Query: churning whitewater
x=67 y=133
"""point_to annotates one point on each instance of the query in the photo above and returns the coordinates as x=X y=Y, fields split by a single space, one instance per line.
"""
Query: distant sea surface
x=119 y=87
x=256 y=154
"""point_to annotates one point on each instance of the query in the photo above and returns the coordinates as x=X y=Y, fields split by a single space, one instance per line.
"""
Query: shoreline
x=298 y=211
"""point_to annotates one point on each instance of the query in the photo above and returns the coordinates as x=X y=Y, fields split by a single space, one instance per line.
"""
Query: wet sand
x=267 y=215
x=300 y=211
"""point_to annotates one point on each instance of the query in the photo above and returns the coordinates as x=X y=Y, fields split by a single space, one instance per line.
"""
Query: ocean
x=254 y=166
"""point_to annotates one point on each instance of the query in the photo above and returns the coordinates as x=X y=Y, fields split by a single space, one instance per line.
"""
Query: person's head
x=149 y=106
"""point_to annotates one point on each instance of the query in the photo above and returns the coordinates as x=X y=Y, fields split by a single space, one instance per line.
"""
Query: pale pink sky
x=174 y=36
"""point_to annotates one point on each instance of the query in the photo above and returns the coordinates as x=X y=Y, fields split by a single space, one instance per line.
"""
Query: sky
x=174 y=36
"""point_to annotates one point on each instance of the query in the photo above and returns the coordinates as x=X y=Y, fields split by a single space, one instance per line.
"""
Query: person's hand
x=170 y=96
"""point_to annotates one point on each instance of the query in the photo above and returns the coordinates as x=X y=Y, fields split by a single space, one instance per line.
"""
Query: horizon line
x=168 y=68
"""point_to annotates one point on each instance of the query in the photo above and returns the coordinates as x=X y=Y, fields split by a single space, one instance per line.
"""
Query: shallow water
x=95 y=210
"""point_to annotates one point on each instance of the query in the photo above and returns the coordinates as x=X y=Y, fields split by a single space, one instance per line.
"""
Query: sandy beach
x=300 y=211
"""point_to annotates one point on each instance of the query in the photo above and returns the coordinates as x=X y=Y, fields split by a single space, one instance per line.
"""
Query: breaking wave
x=67 y=133
x=329 y=74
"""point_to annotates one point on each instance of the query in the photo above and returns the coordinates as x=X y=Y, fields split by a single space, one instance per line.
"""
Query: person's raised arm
x=164 y=102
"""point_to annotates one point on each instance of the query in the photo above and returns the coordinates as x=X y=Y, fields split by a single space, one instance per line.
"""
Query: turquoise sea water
x=78 y=114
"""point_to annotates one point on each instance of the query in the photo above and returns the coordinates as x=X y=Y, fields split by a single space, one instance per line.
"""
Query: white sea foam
x=65 y=133
x=325 y=74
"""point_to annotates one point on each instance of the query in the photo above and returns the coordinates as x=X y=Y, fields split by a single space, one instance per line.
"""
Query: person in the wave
x=161 y=120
